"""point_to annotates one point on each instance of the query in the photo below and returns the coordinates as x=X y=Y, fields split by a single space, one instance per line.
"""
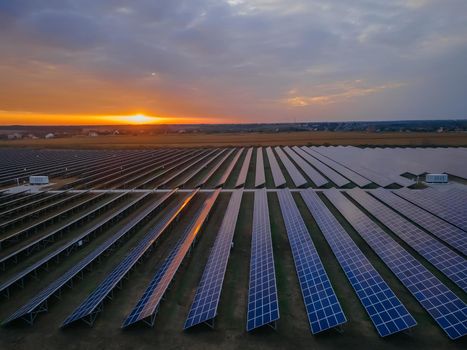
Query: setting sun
x=140 y=119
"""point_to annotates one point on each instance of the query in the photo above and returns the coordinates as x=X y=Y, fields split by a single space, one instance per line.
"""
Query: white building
x=49 y=136
x=436 y=178
x=14 y=136
x=38 y=180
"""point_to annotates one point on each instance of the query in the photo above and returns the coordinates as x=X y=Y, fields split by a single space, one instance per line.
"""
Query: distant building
x=49 y=136
x=93 y=134
x=32 y=136
x=14 y=136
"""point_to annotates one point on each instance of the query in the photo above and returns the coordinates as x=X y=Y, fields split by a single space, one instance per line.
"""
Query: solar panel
x=207 y=296
x=66 y=248
x=349 y=174
x=171 y=166
x=260 y=179
x=36 y=200
x=450 y=234
x=386 y=311
x=244 y=170
x=33 y=228
x=35 y=305
x=229 y=169
x=263 y=307
x=449 y=214
x=318 y=179
x=146 y=308
x=187 y=175
x=49 y=236
x=444 y=259
x=91 y=306
x=355 y=159
x=295 y=175
x=331 y=174
x=322 y=306
x=214 y=168
x=279 y=179
x=186 y=169
x=441 y=303
x=39 y=211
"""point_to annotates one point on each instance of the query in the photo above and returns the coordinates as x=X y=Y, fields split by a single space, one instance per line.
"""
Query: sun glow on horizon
x=29 y=118
x=135 y=119
x=140 y=119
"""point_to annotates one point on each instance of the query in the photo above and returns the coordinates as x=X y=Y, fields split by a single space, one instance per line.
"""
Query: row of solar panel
x=322 y=305
x=177 y=167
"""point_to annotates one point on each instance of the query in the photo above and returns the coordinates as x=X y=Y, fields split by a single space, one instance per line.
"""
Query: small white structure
x=14 y=136
x=93 y=134
x=38 y=180
x=49 y=136
x=436 y=178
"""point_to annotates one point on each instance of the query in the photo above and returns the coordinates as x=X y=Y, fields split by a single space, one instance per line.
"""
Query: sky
x=234 y=61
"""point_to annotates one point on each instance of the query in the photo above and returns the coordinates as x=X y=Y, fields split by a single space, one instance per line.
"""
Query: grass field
x=246 y=139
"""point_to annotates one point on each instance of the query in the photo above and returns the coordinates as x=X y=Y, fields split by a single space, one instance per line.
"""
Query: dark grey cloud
x=256 y=60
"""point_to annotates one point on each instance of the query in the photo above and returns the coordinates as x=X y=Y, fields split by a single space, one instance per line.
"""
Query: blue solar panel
x=294 y=174
x=318 y=179
x=68 y=246
x=450 y=234
x=204 y=306
x=444 y=259
x=88 y=309
x=386 y=311
x=146 y=308
x=451 y=215
x=263 y=307
x=322 y=306
x=441 y=303
x=29 y=311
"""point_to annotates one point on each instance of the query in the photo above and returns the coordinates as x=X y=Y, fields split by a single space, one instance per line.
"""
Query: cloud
x=346 y=91
x=235 y=59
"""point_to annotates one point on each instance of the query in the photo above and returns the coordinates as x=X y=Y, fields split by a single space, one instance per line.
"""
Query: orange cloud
x=349 y=92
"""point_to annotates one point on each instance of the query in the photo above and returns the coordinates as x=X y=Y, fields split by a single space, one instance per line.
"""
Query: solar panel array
x=146 y=308
x=88 y=309
x=207 y=296
x=450 y=234
x=99 y=198
x=44 y=239
x=444 y=259
x=29 y=311
x=348 y=173
x=440 y=302
x=318 y=179
x=263 y=306
x=279 y=179
x=294 y=173
x=330 y=173
x=322 y=306
x=446 y=213
x=213 y=170
x=68 y=246
x=386 y=311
